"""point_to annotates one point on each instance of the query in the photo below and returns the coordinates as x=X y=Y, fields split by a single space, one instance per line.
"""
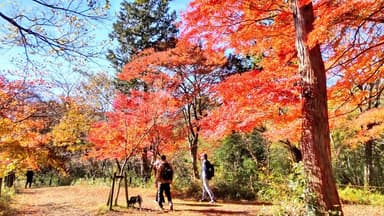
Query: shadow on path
x=215 y=212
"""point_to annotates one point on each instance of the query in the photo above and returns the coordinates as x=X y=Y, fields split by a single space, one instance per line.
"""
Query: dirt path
x=91 y=200
x=59 y=201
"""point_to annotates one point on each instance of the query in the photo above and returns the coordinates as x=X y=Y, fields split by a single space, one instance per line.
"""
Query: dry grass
x=91 y=200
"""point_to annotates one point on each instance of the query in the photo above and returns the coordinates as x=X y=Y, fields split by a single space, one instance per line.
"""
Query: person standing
x=164 y=177
x=206 y=175
x=29 y=175
x=156 y=167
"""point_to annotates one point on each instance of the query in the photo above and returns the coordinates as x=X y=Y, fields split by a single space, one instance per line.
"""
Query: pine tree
x=141 y=24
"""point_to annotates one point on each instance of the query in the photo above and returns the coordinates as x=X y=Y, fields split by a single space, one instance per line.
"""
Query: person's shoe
x=212 y=201
x=161 y=206
x=202 y=200
x=171 y=206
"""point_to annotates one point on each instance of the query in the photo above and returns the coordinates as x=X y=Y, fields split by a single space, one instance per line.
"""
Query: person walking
x=156 y=167
x=164 y=177
x=206 y=175
x=29 y=175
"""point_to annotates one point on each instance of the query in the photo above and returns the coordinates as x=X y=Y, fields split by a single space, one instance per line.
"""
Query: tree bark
x=315 y=139
x=193 y=145
x=193 y=136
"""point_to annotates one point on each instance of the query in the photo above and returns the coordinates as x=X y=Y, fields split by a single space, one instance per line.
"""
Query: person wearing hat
x=205 y=179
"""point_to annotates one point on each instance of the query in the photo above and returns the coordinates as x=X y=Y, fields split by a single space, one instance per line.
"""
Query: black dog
x=135 y=199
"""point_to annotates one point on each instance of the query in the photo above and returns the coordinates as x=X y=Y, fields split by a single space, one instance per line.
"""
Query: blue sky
x=11 y=55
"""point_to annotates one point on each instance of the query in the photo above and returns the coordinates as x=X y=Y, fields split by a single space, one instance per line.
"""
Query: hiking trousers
x=207 y=190
x=164 y=188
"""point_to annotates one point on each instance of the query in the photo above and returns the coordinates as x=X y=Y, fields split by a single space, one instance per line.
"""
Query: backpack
x=210 y=170
x=167 y=172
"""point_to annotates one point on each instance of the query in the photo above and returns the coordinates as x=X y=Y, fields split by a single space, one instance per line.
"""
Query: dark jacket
x=204 y=168
x=159 y=171
x=29 y=175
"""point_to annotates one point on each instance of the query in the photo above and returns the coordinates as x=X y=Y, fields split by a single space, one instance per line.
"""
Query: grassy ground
x=91 y=200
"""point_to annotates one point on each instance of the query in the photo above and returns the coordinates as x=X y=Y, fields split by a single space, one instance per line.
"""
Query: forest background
x=243 y=81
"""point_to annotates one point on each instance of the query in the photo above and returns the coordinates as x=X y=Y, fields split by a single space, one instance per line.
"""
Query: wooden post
x=1 y=183
x=109 y=195
x=111 y=192
x=126 y=188
x=112 y=189
x=120 y=178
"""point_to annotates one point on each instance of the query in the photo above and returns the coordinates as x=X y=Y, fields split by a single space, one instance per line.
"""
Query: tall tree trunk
x=193 y=146
x=189 y=113
x=315 y=140
x=368 y=149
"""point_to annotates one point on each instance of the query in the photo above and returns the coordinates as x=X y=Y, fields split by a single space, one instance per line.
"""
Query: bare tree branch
x=59 y=30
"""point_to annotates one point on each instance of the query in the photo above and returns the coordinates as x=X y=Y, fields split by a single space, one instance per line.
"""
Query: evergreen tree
x=242 y=158
x=141 y=24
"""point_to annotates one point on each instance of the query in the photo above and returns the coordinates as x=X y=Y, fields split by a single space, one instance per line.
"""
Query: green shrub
x=295 y=198
x=5 y=200
x=65 y=180
x=349 y=162
x=238 y=162
x=194 y=190
x=94 y=181
x=182 y=172
x=360 y=196
x=232 y=191
x=273 y=185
